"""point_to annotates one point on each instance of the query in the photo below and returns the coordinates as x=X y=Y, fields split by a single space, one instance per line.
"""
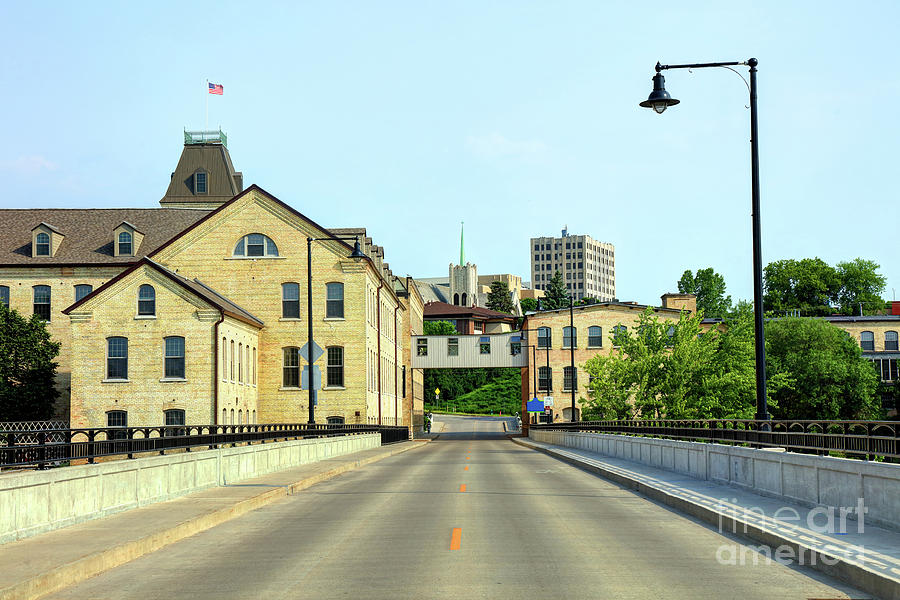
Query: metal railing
x=43 y=447
x=869 y=439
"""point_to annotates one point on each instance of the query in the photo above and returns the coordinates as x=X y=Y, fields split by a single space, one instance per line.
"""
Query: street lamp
x=357 y=255
x=659 y=100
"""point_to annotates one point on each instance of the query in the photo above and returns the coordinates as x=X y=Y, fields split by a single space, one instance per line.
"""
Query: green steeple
x=462 y=252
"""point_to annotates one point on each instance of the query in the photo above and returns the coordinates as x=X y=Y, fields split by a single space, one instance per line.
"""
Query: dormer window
x=200 y=182
x=42 y=245
x=125 y=244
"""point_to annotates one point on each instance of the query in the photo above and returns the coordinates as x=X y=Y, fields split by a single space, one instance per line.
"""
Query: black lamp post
x=659 y=100
x=572 y=338
x=357 y=254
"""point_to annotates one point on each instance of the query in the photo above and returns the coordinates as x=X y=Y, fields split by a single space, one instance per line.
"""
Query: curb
x=89 y=566
x=856 y=575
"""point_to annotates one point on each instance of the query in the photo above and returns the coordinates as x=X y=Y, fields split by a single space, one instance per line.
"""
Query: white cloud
x=27 y=165
x=495 y=145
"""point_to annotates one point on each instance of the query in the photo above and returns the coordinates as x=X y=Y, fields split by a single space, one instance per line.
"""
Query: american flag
x=217 y=89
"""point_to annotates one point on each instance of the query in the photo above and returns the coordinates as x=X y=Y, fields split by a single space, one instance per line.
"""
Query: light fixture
x=659 y=99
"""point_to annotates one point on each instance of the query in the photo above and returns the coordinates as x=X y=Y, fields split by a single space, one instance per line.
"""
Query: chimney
x=686 y=302
x=895 y=307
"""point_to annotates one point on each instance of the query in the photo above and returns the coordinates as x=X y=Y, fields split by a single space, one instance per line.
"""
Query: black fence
x=869 y=439
x=45 y=447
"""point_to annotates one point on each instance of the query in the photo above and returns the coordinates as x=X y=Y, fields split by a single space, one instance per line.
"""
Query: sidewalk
x=40 y=565
x=867 y=557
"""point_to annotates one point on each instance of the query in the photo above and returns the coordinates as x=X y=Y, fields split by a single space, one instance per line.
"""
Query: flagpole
x=207 y=105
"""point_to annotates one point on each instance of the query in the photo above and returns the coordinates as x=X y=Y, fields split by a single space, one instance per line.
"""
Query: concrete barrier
x=33 y=502
x=800 y=478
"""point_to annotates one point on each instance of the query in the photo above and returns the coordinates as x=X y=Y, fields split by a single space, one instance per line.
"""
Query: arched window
x=240 y=363
x=232 y=416
x=231 y=364
x=42 y=244
x=595 y=336
x=119 y=419
x=890 y=341
x=545 y=379
x=456 y=299
x=544 y=339
x=124 y=243
x=146 y=301
x=174 y=416
x=570 y=379
x=464 y=299
x=224 y=359
x=290 y=300
x=4 y=295
x=174 y=357
x=291 y=368
x=224 y=416
x=117 y=358
x=867 y=340
x=240 y=417
x=570 y=337
x=42 y=301
x=82 y=290
x=335 y=420
x=256 y=245
x=334 y=305
x=254 y=417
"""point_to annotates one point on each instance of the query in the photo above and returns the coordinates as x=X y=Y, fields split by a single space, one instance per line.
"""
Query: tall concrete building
x=588 y=267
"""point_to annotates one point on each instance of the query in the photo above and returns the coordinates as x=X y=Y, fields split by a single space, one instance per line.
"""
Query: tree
x=709 y=287
x=861 y=287
x=587 y=301
x=27 y=367
x=809 y=285
x=555 y=296
x=438 y=328
x=528 y=305
x=499 y=298
x=818 y=372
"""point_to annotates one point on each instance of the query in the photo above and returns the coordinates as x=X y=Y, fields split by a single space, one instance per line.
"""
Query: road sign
x=535 y=405
x=316 y=379
x=437 y=391
x=548 y=400
x=317 y=352
x=548 y=410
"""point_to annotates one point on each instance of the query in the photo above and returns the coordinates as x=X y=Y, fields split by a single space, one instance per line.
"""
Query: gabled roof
x=48 y=226
x=435 y=310
x=194 y=286
x=89 y=233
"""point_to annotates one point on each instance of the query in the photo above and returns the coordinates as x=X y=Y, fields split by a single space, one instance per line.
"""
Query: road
x=470 y=515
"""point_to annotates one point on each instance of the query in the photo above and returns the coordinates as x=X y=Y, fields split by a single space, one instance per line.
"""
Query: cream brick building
x=197 y=312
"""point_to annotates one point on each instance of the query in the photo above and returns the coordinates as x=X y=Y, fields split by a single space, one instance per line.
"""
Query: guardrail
x=44 y=446
x=870 y=439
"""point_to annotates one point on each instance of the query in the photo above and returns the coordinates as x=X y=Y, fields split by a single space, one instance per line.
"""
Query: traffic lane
x=526 y=523
x=460 y=427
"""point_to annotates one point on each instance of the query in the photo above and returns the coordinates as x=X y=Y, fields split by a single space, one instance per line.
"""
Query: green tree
x=438 y=328
x=528 y=305
x=809 y=285
x=818 y=372
x=556 y=295
x=27 y=367
x=709 y=287
x=861 y=287
x=499 y=298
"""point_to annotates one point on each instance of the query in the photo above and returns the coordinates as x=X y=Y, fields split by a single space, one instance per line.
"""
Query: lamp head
x=659 y=99
x=357 y=254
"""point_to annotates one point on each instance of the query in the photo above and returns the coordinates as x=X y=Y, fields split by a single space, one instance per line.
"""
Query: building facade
x=588 y=267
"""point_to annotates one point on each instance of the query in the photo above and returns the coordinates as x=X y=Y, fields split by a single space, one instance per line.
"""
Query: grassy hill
x=502 y=393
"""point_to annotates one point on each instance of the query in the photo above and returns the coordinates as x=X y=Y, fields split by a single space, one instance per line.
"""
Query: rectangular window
x=543 y=337
x=515 y=346
x=174 y=357
x=42 y=301
x=334 y=306
x=254 y=365
x=452 y=346
x=4 y=295
x=421 y=347
x=570 y=381
x=240 y=363
x=335 y=366
x=199 y=183
x=595 y=337
x=545 y=379
x=290 y=300
x=570 y=337
x=256 y=244
x=117 y=358
x=117 y=418
x=291 y=368
x=174 y=417
x=484 y=345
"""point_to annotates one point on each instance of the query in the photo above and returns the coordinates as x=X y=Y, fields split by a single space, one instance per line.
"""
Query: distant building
x=588 y=267
x=470 y=319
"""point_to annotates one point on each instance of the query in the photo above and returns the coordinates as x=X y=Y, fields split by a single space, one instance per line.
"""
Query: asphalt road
x=470 y=515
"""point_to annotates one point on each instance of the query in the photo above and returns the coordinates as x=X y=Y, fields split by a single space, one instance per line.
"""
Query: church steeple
x=462 y=253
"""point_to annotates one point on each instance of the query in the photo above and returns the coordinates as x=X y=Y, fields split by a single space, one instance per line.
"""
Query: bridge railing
x=46 y=446
x=869 y=439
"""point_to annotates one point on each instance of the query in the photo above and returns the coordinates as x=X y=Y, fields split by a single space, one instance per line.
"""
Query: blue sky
x=518 y=118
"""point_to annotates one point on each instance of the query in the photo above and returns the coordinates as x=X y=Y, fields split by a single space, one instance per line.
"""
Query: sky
x=518 y=118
